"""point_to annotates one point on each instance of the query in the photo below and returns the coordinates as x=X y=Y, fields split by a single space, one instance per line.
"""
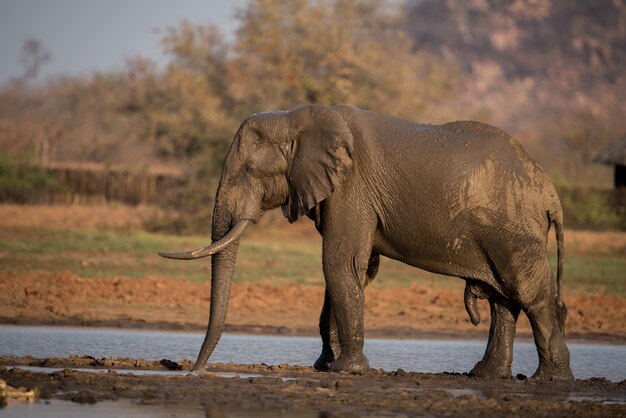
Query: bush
x=589 y=208
x=21 y=180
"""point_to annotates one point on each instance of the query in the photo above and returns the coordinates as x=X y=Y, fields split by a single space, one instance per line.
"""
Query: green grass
x=133 y=254
x=93 y=254
x=594 y=273
x=109 y=254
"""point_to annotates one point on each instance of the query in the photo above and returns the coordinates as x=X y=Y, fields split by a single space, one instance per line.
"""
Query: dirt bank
x=156 y=302
x=295 y=391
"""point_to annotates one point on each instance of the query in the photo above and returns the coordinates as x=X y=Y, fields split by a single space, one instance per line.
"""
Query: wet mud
x=297 y=390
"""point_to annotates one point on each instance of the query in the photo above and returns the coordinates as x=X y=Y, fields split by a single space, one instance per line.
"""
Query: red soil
x=64 y=298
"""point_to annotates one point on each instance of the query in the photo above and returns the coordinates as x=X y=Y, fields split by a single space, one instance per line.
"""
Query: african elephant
x=462 y=199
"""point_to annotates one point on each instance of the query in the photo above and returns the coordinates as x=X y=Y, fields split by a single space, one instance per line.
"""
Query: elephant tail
x=556 y=219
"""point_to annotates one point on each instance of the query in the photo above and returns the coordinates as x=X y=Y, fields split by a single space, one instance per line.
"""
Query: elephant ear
x=322 y=156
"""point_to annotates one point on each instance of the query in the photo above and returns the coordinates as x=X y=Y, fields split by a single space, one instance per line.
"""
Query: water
x=130 y=409
x=587 y=360
x=140 y=372
x=64 y=409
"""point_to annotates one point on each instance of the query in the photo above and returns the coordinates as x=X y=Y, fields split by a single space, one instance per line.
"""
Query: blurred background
x=137 y=102
x=115 y=119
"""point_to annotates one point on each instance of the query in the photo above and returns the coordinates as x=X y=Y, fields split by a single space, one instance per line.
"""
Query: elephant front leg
x=496 y=362
x=331 y=349
x=330 y=341
x=345 y=274
x=347 y=299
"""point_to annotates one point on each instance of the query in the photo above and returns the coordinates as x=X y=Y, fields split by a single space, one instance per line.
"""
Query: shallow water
x=141 y=372
x=587 y=360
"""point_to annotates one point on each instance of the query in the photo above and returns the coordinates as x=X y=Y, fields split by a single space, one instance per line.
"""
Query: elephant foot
x=546 y=372
x=488 y=370
x=356 y=364
x=322 y=364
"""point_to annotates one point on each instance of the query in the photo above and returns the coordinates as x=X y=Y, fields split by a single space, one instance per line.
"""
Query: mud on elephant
x=461 y=199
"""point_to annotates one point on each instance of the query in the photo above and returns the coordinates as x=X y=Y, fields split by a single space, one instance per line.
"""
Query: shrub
x=21 y=180
x=590 y=208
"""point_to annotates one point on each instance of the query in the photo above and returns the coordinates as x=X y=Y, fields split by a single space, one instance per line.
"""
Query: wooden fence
x=94 y=184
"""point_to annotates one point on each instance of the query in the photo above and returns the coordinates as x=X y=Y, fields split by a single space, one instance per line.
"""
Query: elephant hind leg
x=553 y=353
x=546 y=319
x=496 y=362
x=522 y=268
x=536 y=294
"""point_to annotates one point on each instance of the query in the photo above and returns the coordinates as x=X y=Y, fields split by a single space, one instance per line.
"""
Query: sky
x=84 y=36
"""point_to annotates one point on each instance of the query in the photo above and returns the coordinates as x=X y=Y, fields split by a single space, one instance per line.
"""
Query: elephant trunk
x=222 y=267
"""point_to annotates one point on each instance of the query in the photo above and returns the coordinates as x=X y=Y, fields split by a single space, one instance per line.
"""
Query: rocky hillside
x=582 y=41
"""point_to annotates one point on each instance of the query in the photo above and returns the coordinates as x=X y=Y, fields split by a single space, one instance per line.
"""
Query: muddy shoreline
x=295 y=390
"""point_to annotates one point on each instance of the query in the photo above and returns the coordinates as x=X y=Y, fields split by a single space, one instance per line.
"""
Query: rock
x=170 y=365
x=8 y=393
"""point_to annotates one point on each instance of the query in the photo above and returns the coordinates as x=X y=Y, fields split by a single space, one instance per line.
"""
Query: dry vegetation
x=101 y=218
x=557 y=91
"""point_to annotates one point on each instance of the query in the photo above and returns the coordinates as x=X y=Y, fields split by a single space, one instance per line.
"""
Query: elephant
x=461 y=199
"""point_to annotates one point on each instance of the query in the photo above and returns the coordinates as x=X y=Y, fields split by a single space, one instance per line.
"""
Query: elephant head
x=294 y=159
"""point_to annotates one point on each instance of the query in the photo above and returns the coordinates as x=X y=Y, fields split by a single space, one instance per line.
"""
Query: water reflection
x=125 y=408
x=140 y=372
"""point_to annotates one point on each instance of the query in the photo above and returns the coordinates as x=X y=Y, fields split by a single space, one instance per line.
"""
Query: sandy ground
x=157 y=302
x=300 y=391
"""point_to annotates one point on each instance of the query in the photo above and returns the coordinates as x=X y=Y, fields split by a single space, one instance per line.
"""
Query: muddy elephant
x=461 y=199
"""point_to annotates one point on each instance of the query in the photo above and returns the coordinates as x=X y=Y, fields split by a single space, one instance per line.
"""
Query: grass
x=109 y=254
x=133 y=254
x=597 y=273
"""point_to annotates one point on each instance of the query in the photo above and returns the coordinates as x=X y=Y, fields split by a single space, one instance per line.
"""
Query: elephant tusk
x=215 y=247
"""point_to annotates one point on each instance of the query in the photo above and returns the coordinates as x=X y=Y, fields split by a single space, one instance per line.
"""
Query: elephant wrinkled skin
x=462 y=199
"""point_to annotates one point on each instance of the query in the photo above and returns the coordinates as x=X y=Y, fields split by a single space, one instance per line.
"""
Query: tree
x=284 y=54
x=33 y=56
x=329 y=52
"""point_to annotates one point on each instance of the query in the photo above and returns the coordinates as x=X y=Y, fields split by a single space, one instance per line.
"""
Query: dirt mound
x=65 y=298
